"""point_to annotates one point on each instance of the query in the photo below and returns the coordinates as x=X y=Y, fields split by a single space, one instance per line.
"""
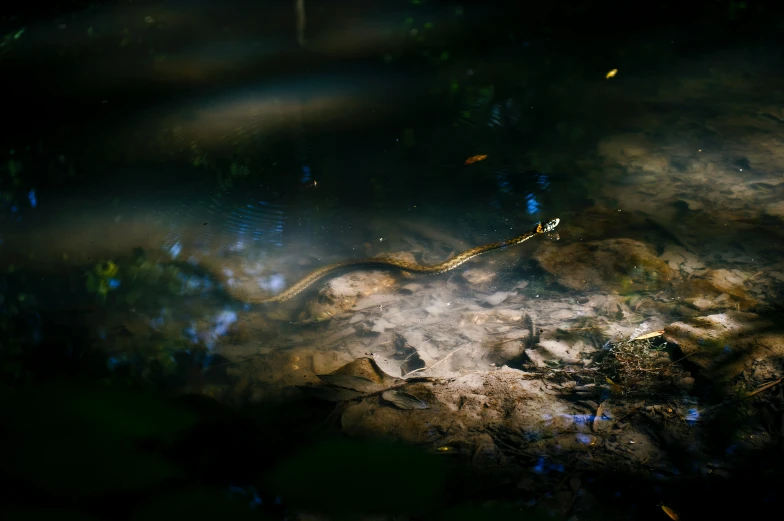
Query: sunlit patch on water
x=210 y=334
x=579 y=419
x=544 y=467
x=274 y=283
x=223 y=225
x=531 y=204
x=585 y=439
x=249 y=493
x=693 y=416
x=175 y=250
x=116 y=361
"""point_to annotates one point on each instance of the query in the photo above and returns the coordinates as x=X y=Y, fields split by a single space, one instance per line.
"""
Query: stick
x=749 y=395
x=432 y=366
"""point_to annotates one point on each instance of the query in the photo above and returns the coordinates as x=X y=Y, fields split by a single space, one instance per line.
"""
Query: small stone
x=478 y=276
x=700 y=303
x=497 y=298
x=686 y=383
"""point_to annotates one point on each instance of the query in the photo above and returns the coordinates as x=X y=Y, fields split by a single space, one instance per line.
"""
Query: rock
x=478 y=276
x=326 y=362
x=723 y=342
x=475 y=334
x=701 y=303
x=633 y=152
x=614 y=265
x=346 y=290
x=508 y=315
x=342 y=294
x=679 y=258
x=509 y=351
x=686 y=382
x=716 y=289
x=411 y=288
x=435 y=310
x=775 y=209
x=356 y=318
x=496 y=298
x=380 y=325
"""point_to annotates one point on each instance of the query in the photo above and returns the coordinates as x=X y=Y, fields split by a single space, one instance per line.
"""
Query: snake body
x=389 y=262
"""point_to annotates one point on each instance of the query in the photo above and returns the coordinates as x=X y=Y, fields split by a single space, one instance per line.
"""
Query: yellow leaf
x=652 y=334
x=671 y=513
x=614 y=387
x=611 y=74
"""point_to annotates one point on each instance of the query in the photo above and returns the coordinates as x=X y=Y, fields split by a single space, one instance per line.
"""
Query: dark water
x=163 y=161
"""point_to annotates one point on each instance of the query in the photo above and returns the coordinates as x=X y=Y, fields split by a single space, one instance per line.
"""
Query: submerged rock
x=717 y=289
x=342 y=293
x=615 y=265
x=478 y=276
x=724 y=342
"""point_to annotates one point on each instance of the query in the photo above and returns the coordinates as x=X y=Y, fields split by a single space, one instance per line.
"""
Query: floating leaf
x=403 y=400
x=670 y=513
x=474 y=159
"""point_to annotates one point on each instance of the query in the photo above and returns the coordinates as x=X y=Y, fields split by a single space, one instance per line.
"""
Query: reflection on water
x=218 y=158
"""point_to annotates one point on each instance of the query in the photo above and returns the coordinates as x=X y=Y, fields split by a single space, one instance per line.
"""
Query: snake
x=389 y=262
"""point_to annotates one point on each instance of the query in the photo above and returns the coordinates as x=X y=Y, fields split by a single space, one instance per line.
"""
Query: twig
x=432 y=366
x=749 y=395
x=764 y=388
x=684 y=358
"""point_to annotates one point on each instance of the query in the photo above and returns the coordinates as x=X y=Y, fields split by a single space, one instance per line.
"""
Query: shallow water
x=187 y=169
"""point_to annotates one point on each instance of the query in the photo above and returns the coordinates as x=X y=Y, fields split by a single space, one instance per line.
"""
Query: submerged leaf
x=366 y=368
x=355 y=383
x=403 y=400
x=330 y=394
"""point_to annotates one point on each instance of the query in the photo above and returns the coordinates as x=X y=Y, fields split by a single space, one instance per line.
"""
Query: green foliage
x=9 y=38
x=98 y=280
x=238 y=169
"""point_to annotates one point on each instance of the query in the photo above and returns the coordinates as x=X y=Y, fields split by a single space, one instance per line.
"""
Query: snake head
x=548 y=226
